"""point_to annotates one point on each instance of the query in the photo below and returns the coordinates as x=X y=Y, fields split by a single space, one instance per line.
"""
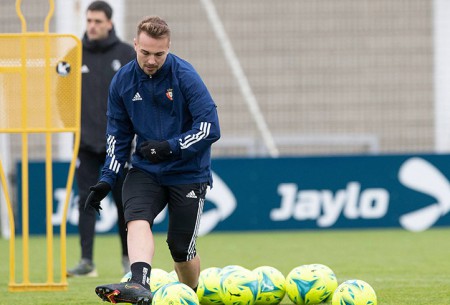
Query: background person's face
x=97 y=25
x=151 y=53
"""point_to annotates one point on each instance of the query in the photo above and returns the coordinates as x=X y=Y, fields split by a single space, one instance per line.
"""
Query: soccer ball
x=329 y=277
x=238 y=286
x=175 y=293
x=306 y=285
x=272 y=286
x=159 y=278
x=231 y=268
x=354 y=292
x=208 y=286
x=173 y=274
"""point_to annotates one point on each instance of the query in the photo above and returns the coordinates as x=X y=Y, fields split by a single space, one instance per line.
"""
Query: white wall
x=441 y=27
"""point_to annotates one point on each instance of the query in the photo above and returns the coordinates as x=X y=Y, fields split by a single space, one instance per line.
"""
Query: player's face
x=97 y=25
x=151 y=53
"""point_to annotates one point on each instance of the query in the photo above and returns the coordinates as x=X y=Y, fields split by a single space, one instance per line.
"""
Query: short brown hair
x=154 y=26
x=101 y=6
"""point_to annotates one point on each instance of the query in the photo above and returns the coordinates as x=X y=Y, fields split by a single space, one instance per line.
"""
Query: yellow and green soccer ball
x=159 y=278
x=272 y=286
x=173 y=274
x=329 y=278
x=175 y=293
x=306 y=285
x=238 y=286
x=232 y=267
x=208 y=286
x=354 y=292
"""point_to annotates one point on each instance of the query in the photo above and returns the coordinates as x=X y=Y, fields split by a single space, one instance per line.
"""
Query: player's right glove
x=98 y=192
x=155 y=151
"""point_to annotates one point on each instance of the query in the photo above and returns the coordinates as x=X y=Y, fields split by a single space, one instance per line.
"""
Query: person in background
x=161 y=100
x=103 y=55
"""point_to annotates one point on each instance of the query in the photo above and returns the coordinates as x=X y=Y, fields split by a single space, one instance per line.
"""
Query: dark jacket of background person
x=98 y=72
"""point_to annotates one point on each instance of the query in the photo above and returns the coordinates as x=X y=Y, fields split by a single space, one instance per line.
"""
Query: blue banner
x=107 y=223
x=408 y=191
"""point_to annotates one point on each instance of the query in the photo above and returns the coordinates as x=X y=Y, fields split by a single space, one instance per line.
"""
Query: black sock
x=140 y=273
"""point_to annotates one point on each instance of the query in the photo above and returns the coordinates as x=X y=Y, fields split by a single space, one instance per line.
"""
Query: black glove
x=155 y=151
x=98 y=192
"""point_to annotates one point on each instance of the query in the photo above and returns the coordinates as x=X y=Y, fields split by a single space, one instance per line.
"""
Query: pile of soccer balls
x=265 y=285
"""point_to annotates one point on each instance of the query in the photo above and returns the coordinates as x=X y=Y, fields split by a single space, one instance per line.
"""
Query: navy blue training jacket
x=172 y=105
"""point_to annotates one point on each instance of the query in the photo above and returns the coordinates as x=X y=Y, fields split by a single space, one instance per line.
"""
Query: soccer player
x=160 y=99
x=103 y=55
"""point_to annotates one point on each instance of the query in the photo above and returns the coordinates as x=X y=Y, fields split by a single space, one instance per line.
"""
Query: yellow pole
x=25 y=216
x=48 y=149
x=25 y=179
x=21 y=17
x=49 y=16
x=12 y=240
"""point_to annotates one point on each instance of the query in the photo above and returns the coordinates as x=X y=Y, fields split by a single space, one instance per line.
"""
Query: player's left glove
x=155 y=151
x=98 y=192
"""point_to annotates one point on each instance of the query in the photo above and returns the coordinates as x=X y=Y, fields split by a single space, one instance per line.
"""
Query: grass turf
x=404 y=268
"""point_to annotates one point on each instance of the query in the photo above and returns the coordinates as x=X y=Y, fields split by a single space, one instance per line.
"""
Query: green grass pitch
x=404 y=268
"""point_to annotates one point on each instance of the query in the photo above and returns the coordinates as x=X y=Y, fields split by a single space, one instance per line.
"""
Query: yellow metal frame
x=50 y=284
